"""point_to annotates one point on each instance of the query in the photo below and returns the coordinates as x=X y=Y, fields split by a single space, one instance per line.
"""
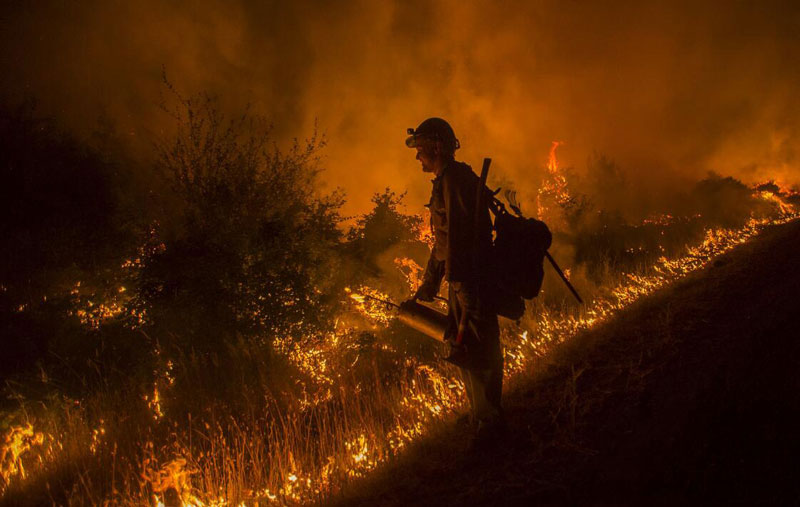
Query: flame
x=172 y=477
x=552 y=161
x=554 y=187
x=93 y=314
x=424 y=231
x=427 y=395
x=419 y=397
x=378 y=313
x=783 y=206
x=97 y=436
x=411 y=270
x=154 y=403
x=18 y=441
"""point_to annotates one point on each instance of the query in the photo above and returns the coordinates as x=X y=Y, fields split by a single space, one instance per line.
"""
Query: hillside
x=690 y=396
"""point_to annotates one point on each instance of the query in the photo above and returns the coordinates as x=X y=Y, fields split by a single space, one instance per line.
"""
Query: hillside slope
x=689 y=396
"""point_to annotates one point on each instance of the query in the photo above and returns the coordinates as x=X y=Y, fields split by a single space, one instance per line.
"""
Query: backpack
x=518 y=256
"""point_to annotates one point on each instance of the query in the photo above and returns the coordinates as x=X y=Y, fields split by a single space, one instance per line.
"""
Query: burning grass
x=362 y=402
x=294 y=413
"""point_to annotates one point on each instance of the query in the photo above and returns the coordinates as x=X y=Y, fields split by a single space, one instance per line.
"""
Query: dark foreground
x=691 y=396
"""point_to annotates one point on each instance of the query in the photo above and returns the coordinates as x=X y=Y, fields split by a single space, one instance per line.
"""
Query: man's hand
x=424 y=293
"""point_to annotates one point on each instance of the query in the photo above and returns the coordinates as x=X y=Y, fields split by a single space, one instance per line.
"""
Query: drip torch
x=428 y=321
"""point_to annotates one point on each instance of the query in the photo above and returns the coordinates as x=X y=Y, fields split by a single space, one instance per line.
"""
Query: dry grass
x=368 y=403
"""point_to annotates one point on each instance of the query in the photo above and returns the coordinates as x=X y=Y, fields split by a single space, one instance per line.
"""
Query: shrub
x=247 y=244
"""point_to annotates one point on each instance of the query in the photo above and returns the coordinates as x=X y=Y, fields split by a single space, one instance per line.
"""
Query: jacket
x=456 y=255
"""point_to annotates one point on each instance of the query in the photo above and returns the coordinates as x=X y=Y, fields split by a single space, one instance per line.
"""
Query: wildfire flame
x=426 y=394
x=554 y=187
x=171 y=479
x=370 y=306
x=784 y=207
x=18 y=441
x=411 y=270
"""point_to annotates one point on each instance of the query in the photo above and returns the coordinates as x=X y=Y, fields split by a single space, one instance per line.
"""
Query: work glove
x=418 y=296
x=424 y=293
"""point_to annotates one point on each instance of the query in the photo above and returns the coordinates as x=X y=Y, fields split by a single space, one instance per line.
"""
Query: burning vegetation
x=220 y=339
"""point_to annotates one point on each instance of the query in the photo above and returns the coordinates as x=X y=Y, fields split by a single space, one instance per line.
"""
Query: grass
x=356 y=402
x=685 y=398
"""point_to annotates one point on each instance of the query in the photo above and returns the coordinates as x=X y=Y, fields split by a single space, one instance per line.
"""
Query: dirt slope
x=691 y=396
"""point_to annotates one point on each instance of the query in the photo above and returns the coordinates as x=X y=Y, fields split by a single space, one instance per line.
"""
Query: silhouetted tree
x=380 y=229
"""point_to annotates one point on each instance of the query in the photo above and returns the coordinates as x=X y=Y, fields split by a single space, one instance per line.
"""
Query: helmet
x=435 y=129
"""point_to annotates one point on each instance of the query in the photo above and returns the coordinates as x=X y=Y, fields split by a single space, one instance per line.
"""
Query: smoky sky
x=668 y=90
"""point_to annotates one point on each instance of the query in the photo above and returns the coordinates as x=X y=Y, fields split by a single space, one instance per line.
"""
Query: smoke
x=670 y=91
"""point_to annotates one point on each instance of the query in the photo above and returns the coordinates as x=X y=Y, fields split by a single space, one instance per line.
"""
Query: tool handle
x=480 y=197
x=563 y=276
x=480 y=206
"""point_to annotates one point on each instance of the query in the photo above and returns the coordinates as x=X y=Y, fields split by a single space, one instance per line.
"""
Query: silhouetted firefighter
x=462 y=231
x=486 y=277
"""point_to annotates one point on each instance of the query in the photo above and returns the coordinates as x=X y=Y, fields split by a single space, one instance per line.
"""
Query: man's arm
x=431 y=280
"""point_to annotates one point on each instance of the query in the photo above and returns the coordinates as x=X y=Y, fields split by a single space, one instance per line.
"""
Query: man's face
x=426 y=154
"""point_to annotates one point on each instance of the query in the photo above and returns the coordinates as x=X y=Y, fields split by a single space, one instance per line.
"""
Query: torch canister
x=424 y=319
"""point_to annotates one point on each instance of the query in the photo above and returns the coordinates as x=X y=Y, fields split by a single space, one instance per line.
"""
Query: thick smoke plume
x=670 y=91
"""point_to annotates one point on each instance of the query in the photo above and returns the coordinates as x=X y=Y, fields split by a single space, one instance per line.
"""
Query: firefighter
x=458 y=256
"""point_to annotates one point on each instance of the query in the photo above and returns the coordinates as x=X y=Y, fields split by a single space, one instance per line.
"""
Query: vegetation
x=200 y=332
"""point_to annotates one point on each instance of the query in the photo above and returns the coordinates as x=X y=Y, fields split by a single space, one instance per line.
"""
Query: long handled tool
x=563 y=276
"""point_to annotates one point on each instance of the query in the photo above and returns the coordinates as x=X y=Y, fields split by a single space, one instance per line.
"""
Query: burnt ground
x=690 y=396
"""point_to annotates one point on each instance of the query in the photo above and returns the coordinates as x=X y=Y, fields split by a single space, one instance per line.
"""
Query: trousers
x=483 y=381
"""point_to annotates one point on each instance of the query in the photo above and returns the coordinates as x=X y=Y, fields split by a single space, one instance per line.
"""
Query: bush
x=384 y=227
x=247 y=246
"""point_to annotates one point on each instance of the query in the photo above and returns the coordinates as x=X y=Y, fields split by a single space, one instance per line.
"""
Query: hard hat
x=435 y=129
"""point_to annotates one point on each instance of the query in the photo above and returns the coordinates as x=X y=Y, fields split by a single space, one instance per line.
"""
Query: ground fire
x=362 y=431
x=217 y=249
